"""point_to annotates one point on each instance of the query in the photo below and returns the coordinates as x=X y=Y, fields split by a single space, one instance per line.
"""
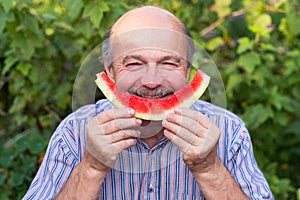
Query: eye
x=133 y=64
x=170 y=64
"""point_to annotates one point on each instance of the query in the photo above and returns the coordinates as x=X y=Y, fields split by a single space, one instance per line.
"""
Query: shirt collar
x=160 y=144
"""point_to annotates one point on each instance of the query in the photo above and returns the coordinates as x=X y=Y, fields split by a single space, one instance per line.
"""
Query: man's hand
x=196 y=136
x=108 y=134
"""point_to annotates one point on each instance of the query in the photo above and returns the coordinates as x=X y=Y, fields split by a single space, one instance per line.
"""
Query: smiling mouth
x=158 y=93
x=162 y=95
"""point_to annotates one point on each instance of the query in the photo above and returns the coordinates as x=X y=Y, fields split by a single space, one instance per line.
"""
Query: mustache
x=155 y=93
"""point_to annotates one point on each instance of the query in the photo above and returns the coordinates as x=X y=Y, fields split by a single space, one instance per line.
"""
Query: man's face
x=151 y=63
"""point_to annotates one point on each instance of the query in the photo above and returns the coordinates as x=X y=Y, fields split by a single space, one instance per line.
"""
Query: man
x=100 y=152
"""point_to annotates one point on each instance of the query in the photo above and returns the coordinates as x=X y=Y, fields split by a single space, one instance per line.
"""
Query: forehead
x=154 y=39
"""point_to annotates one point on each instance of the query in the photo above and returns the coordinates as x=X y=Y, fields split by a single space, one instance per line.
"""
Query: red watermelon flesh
x=153 y=109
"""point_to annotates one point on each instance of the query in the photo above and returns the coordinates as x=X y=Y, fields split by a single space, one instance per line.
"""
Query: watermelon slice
x=154 y=109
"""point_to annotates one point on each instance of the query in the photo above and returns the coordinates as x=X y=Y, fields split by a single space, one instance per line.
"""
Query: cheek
x=176 y=80
x=126 y=80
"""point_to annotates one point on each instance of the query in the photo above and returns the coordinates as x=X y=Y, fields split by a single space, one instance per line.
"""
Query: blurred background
x=255 y=44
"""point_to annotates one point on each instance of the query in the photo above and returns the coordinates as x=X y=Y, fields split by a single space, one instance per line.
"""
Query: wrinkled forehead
x=149 y=38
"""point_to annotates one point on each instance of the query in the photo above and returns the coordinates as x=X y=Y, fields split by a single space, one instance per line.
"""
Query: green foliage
x=255 y=44
x=261 y=72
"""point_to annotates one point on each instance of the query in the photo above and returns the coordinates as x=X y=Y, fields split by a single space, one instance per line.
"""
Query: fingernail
x=130 y=111
x=166 y=131
x=164 y=122
x=178 y=110
x=138 y=121
x=170 y=116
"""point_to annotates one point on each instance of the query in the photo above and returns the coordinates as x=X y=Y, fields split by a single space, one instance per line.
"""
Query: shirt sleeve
x=57 y=165
x=64 y=152
x=244 y=168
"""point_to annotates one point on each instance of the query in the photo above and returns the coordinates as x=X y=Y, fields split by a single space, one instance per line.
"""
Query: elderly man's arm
x=197 y=137
x=85 y=181
x=216 y=182
x=108 y=134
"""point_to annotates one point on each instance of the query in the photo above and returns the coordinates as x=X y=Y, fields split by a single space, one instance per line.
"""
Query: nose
x=152 y=78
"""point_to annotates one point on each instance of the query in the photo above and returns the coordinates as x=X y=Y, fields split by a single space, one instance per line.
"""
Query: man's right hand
x=108 y=134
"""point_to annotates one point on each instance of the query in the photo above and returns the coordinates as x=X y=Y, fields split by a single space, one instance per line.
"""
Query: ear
x=188 y=71
x=110 y=72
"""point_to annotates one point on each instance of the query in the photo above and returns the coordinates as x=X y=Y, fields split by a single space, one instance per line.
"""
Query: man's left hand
x=196 y=136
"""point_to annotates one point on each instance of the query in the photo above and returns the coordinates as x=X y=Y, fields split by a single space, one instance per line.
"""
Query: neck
x=151 y=141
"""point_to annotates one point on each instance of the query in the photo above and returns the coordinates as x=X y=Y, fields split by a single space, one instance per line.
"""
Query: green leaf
x=74 y=7
x=6 y=158
x=192 y=74
x=17 y=84
x=85 y=28
x=34 y=74
x=260 y=76
x=37 y=145
x=45 y=120
x=234 y=80
x=24 y=68
x=26 y=42
x=7 y=5
x=5 y=194
x=260 y=25
x=283 y=27
x=295 y=53
x=22 y=144
x=214 y=43
x=16 y=178
x=8 y=63
x=18 y=104
x=49 y=16
x=2 y=20
x=28 y=164
x=222 y=7
x=279 y=101
x=257 y=115
x=293 y=20
x=2 y=177
x=295 y=92
x=268 y=47
x=94 y=10
x=62 y=95
x=20 y=119
x=31 y=22
x=249 y=61
x=245 y=44
x=63 y=25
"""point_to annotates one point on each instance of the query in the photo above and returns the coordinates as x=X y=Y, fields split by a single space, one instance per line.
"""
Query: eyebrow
x=172 y=57
x=137 y=57
x=141 y=58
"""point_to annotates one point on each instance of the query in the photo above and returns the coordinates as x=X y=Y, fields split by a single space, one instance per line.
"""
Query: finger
x=123 y=135
x=119 y=124
x=182 y=144
x=188 y=123
x=181 y=132
x=114 y=113
x=123 y=144
x=198 y=116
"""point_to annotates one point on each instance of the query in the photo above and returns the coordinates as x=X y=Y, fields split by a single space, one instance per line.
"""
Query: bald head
x=147 y=17
x=147 y=26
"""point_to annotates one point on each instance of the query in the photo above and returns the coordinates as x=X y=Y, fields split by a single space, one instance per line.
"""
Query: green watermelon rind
x=150 y=116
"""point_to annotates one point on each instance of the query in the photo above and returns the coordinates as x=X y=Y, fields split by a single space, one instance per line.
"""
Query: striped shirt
x=148 y=173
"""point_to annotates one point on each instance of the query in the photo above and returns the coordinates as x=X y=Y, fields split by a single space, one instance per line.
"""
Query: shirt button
x=150 y=189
